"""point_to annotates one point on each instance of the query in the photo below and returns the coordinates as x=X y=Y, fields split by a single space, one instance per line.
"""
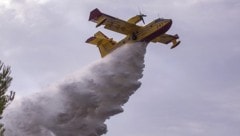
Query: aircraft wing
x=112 y=23
x=166 y=39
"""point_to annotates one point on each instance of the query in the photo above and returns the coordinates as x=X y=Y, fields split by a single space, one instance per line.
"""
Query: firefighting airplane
x=152 y=32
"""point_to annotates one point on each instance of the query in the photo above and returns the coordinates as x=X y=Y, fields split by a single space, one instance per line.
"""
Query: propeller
x=142 y=16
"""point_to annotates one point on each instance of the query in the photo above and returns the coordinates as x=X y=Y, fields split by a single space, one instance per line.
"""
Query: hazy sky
x=191 y=90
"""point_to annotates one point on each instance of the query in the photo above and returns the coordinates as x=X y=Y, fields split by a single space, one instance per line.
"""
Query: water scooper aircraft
x=152 y=32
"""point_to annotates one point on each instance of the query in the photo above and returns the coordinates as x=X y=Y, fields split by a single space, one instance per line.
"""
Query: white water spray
x=79 y=105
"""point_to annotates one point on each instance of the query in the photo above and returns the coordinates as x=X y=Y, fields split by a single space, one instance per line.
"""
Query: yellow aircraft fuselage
x=149 y=32
x=152 y=32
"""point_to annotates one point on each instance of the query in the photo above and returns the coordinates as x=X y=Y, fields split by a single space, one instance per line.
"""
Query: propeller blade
x=143 y=20
x=141 y=16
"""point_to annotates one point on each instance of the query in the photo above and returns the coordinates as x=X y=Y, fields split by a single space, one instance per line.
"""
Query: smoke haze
x=80 y=104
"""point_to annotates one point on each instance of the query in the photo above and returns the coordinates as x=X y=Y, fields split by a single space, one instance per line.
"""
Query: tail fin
x=105 y=44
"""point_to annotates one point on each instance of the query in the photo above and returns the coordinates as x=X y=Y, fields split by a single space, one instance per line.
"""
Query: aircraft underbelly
x=155 y=34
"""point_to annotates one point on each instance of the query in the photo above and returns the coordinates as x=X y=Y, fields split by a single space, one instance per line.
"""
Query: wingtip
x=95 y=14
x=175 y=45
x=89 y=39
x=176 y=35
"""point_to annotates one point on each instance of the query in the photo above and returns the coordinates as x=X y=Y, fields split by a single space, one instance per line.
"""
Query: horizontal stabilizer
x=99 y=34
x=100 y=39
x=105 y=44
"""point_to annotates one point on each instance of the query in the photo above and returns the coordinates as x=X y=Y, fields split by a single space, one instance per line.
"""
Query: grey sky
x=191 y=90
